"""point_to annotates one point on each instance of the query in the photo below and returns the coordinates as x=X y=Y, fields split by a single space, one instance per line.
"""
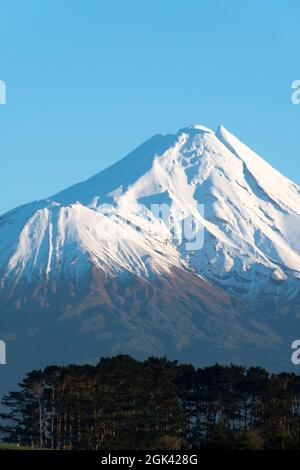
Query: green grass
x=16 y=447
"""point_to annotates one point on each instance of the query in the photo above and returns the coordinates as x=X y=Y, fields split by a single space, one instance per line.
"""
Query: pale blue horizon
x=87 y=82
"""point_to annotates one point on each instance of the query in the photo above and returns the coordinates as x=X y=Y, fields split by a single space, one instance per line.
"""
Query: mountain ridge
x=200 y=166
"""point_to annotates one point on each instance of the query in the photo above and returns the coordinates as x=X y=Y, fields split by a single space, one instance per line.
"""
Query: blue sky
x=89 y=80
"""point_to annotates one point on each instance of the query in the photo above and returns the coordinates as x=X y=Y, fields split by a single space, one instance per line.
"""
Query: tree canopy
x=122 y=403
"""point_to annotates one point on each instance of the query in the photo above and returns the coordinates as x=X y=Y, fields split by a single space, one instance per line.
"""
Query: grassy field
x=16 y=447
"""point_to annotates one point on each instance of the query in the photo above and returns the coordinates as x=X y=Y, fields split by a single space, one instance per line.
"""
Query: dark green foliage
x=157 y=404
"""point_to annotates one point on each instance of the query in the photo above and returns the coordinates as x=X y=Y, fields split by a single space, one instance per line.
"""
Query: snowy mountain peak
x=248 y=228
x=195 y=129
x=189 y=247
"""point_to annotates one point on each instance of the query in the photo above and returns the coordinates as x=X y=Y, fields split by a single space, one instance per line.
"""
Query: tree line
x=125 y=404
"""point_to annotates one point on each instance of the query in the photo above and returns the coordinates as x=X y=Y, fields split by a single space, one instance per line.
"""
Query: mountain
x=188 y=247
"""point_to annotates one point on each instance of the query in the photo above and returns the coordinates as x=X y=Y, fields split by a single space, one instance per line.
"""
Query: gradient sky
x=89 y=80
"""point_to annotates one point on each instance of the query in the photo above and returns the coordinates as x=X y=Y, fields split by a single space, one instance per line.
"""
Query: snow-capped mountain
x=251 y=219
x=98 y=263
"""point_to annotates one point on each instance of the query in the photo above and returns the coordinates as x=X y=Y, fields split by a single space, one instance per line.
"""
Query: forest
x=125 y=404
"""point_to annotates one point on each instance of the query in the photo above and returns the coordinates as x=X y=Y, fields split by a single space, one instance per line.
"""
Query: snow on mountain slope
x=251 y=219
x=251 y=212
x=48 y=240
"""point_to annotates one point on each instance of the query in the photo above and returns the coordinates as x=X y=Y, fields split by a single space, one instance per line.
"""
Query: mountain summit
x=250 y=216
x=97 y=267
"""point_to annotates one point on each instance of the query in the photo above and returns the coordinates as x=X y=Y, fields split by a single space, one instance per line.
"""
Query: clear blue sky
x=89 y=80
